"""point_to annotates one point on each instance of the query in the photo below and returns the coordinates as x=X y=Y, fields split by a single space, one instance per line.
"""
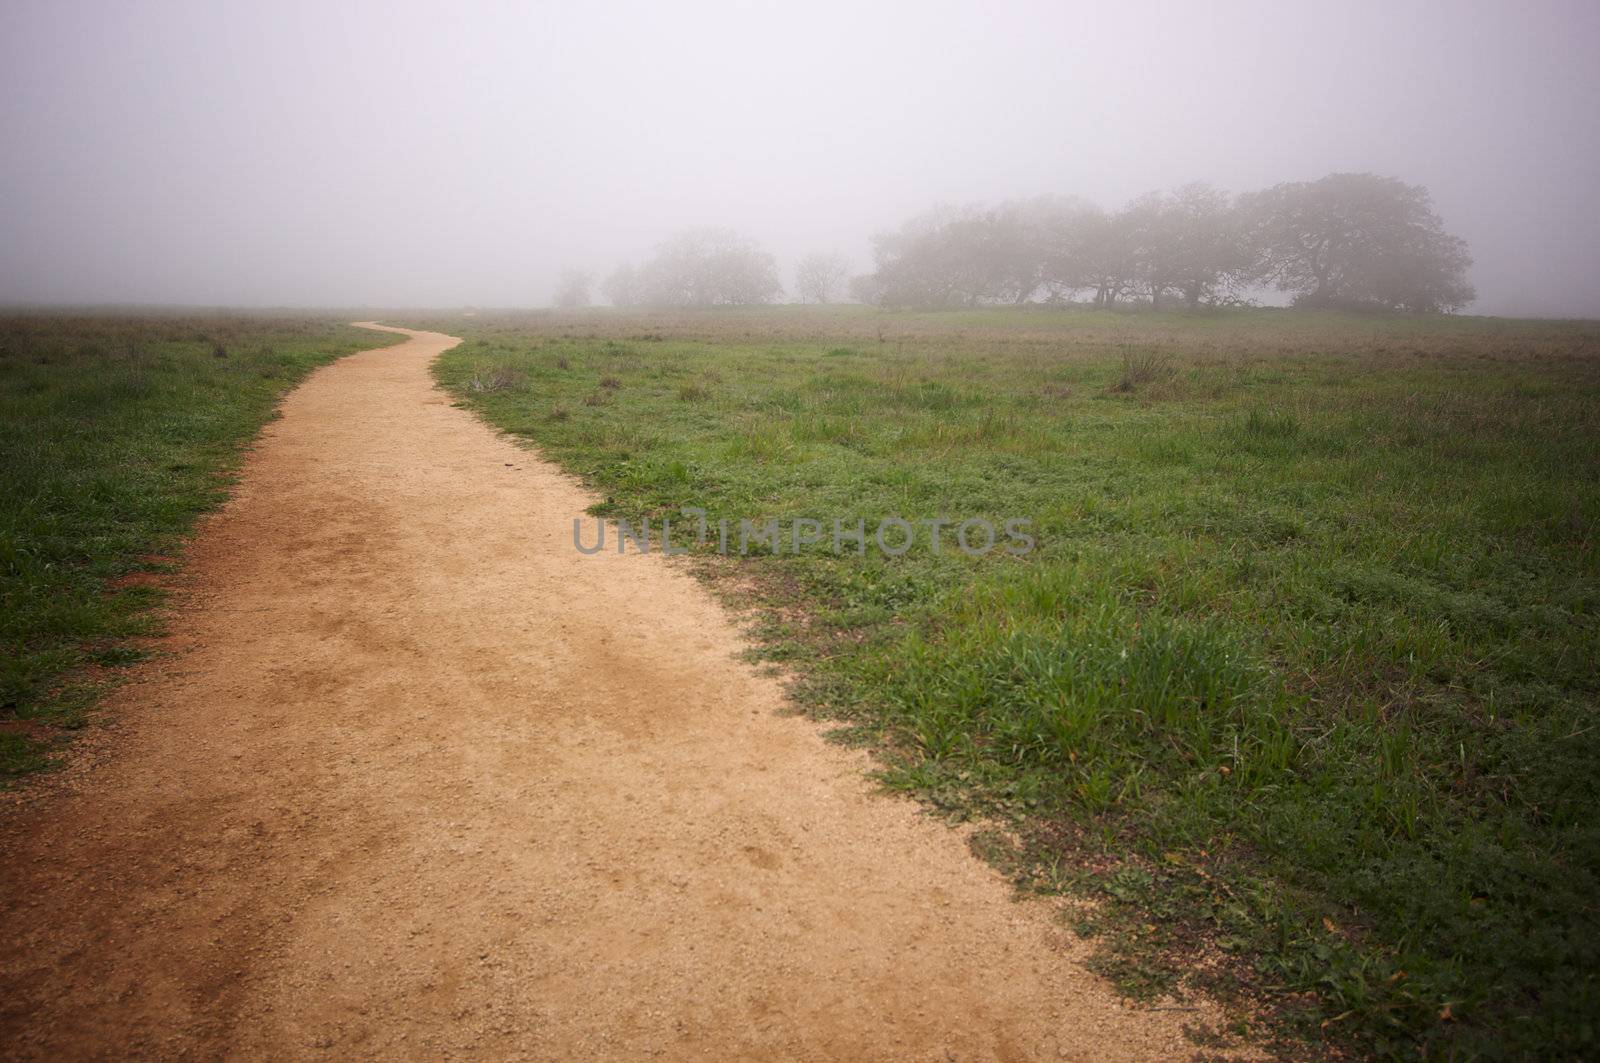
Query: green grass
x=116 y=432
x=1301 y=675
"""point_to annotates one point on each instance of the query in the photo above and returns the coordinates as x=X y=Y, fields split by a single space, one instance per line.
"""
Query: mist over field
x=1181 y=479
x=406 y=153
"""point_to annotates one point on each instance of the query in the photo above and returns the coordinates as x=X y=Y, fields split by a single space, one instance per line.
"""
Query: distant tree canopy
x=1350 y=240
x=864 y=288
x=573 y=289
x=621 y=286
x=1357 y=240
x=703 y=267
x=820 y=278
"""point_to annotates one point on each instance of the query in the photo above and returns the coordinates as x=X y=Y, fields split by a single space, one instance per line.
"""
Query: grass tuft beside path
x=116 y=431
x=1300 y=678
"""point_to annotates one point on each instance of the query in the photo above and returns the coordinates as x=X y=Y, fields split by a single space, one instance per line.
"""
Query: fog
x=396 y=153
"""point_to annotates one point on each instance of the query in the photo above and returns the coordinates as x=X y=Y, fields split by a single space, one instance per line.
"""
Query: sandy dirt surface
x=417 y=779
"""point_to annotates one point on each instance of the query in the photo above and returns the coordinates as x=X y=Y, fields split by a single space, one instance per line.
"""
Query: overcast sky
x=404 y=153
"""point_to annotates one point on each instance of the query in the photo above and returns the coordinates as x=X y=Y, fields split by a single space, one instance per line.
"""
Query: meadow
x=117 y=430
x=1299 y=684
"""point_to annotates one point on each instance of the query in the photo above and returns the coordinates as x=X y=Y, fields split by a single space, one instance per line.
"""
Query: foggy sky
x=417 y=154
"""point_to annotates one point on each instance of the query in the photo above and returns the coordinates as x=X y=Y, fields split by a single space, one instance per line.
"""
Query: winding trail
x=418 y=780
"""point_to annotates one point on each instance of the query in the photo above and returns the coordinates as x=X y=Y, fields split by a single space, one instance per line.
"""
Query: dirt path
x=419 y=779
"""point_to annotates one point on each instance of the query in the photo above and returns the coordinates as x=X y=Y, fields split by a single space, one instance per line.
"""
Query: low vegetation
x=116 y=431
x=1300 y=681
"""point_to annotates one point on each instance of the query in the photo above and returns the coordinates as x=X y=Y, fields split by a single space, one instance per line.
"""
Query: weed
x=1270 y=425
x=500 y=379
x=1141 y=367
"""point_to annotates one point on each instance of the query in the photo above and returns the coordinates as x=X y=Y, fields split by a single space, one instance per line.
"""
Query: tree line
x=1348 y=241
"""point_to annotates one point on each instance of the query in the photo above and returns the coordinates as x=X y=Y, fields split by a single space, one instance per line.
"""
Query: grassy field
x=1300 y=682
x=116 y=432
